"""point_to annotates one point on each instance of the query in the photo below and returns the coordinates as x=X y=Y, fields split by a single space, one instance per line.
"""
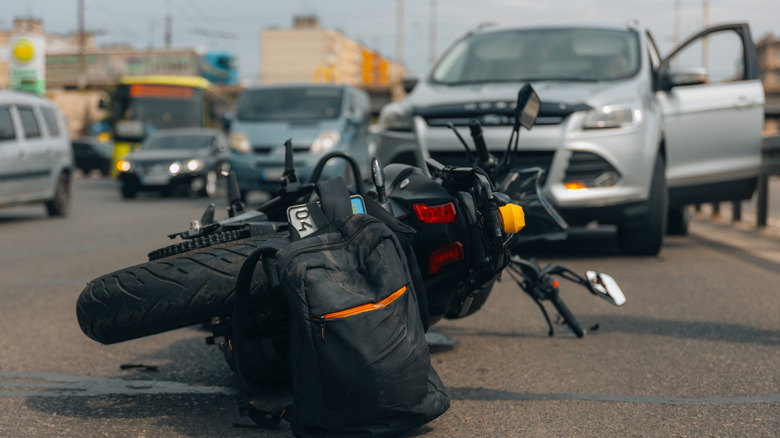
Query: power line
x=116 y=22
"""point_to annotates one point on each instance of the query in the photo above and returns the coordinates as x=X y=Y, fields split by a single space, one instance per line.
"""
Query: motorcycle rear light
x=435 y=214
x=450 y=253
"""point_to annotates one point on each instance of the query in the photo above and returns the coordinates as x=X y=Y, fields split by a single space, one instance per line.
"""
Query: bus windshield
x=161 y=106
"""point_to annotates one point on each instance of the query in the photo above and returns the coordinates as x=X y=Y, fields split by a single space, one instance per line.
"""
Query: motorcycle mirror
x=527 y=108
x=606 y=287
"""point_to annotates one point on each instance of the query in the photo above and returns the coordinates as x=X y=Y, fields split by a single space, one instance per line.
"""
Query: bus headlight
x=325 y=141
x=239 y=143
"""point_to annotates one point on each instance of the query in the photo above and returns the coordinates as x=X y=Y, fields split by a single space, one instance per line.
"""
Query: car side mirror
x=409 y=83
x=227 y=119
x=356 y=115
x=683 y=77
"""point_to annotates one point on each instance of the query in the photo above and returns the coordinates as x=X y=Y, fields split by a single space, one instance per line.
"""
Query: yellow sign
x=24 y=50
x=28 y=63
x=324 y=73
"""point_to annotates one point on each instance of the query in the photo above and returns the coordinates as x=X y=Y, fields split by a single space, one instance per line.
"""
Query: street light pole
x=81 y=80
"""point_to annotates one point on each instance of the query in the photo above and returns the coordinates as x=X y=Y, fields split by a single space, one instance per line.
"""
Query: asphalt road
x=694 y=352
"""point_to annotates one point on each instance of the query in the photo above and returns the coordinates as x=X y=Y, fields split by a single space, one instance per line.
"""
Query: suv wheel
x=644 y=237
x=678 y=221
x=60 y=204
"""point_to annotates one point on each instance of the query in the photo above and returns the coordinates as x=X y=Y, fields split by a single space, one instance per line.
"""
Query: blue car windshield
x=290 y=104
x=544 y=54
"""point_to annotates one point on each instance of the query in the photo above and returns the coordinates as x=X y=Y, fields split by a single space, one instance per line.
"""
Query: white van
x=36 y=158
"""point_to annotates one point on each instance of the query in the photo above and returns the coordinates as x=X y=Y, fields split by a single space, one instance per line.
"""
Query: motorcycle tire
x=169 y=293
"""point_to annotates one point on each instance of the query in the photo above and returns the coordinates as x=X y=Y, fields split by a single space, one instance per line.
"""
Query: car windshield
x=182 y=141
x=290 y=104
x=566 y=54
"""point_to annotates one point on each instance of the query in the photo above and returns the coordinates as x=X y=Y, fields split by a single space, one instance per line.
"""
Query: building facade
x=309 y=53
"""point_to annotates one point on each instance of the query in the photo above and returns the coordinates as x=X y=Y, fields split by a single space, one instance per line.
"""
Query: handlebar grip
x=568 y=317
x=479 y=140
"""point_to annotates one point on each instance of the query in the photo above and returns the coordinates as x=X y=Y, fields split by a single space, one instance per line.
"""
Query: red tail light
x=435 y=214
x=450 y=253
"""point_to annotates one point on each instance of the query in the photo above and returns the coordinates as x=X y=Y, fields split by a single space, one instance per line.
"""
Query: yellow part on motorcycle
x=512 y=218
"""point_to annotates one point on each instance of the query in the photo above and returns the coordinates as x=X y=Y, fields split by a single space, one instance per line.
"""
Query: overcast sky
x=236 y=24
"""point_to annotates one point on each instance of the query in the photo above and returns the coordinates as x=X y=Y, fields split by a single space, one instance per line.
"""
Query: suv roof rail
x=481 y=26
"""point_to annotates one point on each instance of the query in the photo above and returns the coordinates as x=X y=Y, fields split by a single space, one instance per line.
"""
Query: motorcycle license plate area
x=300 y=218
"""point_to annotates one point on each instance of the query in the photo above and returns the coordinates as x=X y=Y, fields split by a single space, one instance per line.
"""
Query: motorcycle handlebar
x=479 y=141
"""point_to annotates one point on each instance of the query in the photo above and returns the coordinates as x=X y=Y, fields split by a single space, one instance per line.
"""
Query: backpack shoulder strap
x=334 y=196
x=241 y=305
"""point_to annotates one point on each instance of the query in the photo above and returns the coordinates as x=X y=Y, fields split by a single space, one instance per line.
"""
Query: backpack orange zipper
x=358 y=309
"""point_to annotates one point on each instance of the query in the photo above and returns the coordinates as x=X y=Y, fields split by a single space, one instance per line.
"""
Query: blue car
x=319 y=118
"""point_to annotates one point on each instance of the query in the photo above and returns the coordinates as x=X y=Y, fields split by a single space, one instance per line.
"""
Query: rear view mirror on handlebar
x=606 y=287
x=527 y=107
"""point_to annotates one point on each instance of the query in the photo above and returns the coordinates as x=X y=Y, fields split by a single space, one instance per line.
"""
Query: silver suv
x=627 y=137
x=36 y=158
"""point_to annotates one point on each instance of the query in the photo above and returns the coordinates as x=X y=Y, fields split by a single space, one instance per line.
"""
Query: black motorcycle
x=467 y=220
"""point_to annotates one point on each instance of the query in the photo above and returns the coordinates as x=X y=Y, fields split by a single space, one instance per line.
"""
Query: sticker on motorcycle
x=299 y=217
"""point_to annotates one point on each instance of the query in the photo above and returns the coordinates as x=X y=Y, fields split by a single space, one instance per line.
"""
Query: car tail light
x=449 y=253
x=435 y=214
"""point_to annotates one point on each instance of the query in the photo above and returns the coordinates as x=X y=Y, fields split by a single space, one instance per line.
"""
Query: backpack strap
x=334 y=196
x=263 y=419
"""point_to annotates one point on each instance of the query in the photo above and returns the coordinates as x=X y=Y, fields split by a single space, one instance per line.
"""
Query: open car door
x=712 y=103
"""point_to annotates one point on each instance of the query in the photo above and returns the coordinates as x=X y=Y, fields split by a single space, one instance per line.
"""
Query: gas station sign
x=28 y=64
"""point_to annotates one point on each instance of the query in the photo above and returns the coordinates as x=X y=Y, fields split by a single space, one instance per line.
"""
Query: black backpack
x=360 y=362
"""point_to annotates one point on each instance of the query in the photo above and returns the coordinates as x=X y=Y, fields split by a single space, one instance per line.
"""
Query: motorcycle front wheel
x=169 y=293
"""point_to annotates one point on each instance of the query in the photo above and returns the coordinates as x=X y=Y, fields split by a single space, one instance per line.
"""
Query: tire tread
x=169 y=293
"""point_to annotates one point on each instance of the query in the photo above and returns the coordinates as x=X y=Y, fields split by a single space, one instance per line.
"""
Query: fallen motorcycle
x=460 y=224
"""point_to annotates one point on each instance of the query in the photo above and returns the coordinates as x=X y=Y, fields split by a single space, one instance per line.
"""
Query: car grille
x=489 y=120
x=266 y=149
x=522 y=159
x=157 y=166
x=499 y=113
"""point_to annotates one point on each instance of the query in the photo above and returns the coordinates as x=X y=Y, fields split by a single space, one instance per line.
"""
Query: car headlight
x=194 y=165
x=325 y=141
x=123 y=166
x=239 y=143
x=394 y=118
x=174 y=168
x=613 y=116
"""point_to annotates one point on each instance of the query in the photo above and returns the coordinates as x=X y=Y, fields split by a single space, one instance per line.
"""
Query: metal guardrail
x=770 y=165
